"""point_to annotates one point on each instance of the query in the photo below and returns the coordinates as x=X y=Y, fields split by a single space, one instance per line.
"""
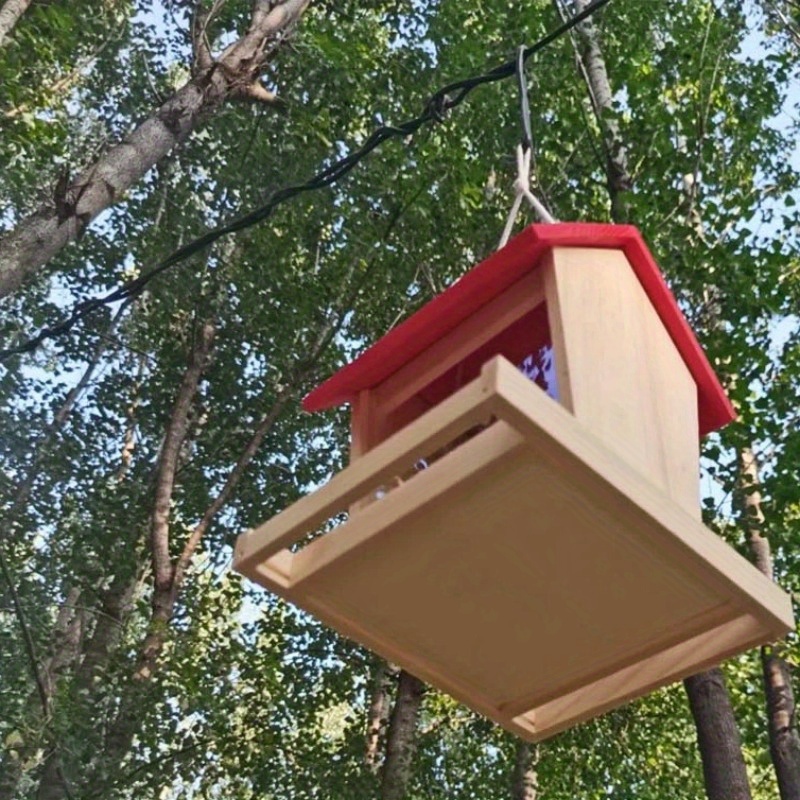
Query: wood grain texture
x=618 y=370
x=458 y=413
x=533 y=573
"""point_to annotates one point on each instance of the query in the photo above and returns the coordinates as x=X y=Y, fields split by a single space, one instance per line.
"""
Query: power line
x=437 y=106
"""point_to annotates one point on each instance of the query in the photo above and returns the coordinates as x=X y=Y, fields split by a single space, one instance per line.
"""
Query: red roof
x=491 y=277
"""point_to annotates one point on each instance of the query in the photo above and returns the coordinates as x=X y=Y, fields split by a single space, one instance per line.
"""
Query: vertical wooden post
x=363 y=425
x=363 y=434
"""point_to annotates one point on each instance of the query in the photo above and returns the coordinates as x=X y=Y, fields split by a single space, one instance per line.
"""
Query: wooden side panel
x=465 y=409
x=619 y=371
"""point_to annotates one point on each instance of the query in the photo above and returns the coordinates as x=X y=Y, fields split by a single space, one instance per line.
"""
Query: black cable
x=435 y=110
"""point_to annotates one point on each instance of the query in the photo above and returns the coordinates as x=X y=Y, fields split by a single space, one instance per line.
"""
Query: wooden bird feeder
x=524 y=529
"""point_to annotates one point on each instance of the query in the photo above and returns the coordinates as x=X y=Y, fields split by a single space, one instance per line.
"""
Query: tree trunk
x=115 y=605
x=121 y=729
x=78 y=201
x=525 y=783
x=52 y=782
x=69 y=649
x=52 y=785
x=378 y=713
x=401 y=737
x=784 y=737
x=748 y=497
x=67 y=637
x=593 y=70
x=39 y=237
x=10 y=13
x=718 y=737
x=169 y=572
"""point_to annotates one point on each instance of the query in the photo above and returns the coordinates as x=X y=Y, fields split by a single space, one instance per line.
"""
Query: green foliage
x=251 y=698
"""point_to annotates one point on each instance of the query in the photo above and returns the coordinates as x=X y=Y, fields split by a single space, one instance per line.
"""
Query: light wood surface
x=686 y=658
x=380 y=465
x=619 y=369
x=533 y=572
x=364 y=424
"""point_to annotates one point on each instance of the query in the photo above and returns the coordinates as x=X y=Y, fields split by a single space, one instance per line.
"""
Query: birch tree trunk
x=784 y=737
x=401 y=737
x=39 y=237
x=10 y=13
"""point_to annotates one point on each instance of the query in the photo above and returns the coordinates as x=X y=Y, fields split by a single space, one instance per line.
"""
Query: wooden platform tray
x=530 y=573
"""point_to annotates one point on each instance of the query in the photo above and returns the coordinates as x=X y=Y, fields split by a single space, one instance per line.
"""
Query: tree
x=215 y=77
x=139 y=444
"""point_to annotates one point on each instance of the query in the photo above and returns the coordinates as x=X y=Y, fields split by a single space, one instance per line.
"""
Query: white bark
x=595 y=75
x=10 y=13
x=36 y=239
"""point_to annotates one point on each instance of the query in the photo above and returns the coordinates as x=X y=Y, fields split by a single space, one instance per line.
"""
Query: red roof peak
x=492 y=276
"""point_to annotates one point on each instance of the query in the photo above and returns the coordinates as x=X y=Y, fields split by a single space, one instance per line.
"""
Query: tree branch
x=44 y=445
x=202 y=58
x=234 y=476
x=174 y=436
x=65 y=82
x=79 y=200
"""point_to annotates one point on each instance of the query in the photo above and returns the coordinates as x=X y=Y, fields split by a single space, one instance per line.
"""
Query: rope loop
x=522 y=190
x=522 y=183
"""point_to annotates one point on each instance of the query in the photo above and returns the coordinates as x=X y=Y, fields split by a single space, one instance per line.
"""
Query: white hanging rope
x=522 y=189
